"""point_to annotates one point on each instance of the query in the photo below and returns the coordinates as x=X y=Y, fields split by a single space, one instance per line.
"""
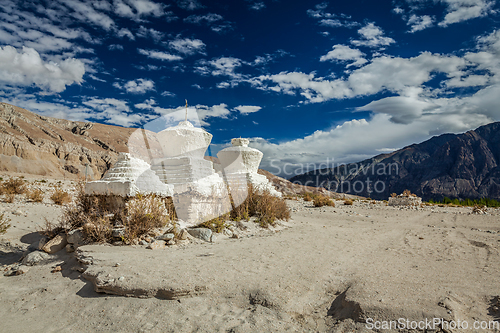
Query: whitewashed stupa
x=128 y=177
x=240 y=164
x=199 y=193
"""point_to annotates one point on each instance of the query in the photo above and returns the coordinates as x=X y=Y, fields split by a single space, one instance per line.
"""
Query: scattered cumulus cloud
x=259 y=5
x=418 y=23
x=372 y=36
x=207 y=18
x=150 y=33
x=345 y=53
x=163 y=56
x=463 y=10
x=26 y=68
x=187 y=46
x=189 y=4
x=138 y=86
x=246 y=109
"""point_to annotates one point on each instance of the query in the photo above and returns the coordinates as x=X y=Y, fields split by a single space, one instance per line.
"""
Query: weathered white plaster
x=240 y=164
x=199 y=193
x=128 y=177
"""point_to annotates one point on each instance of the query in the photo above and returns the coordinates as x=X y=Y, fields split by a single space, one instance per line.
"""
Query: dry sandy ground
x=329 y=270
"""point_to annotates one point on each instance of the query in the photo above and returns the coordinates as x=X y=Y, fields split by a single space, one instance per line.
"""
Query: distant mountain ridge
x=453 y=165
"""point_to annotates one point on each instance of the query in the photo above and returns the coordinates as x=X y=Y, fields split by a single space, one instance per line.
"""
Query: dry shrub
x=217 y=224
x=393 y=195
x=323 y=200
x=348 y=202
x=308 y=196
x=144 y=213
x=35 y=195
x=98 y=230
x=4 y=224
x=264 y=206
x=14 y=186
x=10 y=197
x=60 y=197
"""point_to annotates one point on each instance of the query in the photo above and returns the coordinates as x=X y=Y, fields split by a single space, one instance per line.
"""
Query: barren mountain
x=34 y=144
x=457 y=166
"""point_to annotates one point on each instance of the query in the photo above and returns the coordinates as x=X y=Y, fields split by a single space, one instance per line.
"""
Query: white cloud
x=329 y=19
x=207 y=18
x=138 y=8
x=345 y=53
x=418 y=23
x=197 y=115
x=114 y=111
x=26 y=68
x=372 y=36
x=246 y=109
x=223 y=66
x=159 y=55
x=124 y=32
x=463 y=10
x=187 y=46
x=138 y=86
x=85 y=12
x=259 y=5
x=189 y=4
x=115 y=47
x=332 y=23
x=150 y=33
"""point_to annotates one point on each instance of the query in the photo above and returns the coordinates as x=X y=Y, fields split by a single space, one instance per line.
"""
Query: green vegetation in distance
x=468 y=202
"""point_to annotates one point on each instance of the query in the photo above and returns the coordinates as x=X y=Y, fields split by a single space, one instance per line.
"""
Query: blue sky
x=309 y=82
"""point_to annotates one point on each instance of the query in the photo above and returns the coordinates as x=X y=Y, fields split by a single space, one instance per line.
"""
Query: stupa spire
x=186 y=119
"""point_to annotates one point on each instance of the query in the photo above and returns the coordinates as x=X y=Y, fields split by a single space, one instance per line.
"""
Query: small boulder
x=38 y=245
x=157 y=244
x=171 y=242
x=201 y=233
x=165 y=237
x=118 y=233
x=55 y=244
x=70 y=248
x=183 y=234
x=213 y=238
x=75 y=237
x=35 y=257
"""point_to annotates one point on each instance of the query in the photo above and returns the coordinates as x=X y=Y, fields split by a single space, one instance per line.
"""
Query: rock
x=165 y=237
x=171 y=242
x=182 y=241
x=143 y=242
x=118 y=233
x=56 y=269
x=38 y=245
x=213 y=238
x=157 y=244
x=201 y=233
x=70 y=248
x=55 y=244
x=36 y=257
x=22 y=270
x=19 y=213
x=183 y=234
x=75 y=237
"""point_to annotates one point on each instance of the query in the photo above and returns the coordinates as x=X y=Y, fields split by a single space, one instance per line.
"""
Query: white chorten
x=199 y=193
x=241 y=163
x=128 y=177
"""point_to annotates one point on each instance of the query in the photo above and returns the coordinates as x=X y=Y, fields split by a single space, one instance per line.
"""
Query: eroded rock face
x=34 y=144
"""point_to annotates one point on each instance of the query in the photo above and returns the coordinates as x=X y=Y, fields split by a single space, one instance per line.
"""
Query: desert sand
x=326 y=270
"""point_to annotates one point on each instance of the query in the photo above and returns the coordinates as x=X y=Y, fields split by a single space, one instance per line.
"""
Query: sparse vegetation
x=35 y=195
x=60 y=197
x=14 y=186
x=265 y=207
x=348 y=202
x=467 y=202
x=10 y=197
x=308 y=196
x=4 y=224
x=323 y=200
x=144 y=213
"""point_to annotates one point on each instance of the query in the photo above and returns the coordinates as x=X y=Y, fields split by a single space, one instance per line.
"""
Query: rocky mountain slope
x=33 y=144
x=457 y=166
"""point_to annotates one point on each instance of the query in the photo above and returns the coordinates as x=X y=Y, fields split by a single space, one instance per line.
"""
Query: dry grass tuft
x=348 y=202
x=144 y=213
x=10 y=197
x=4 y=224
x=35 y=195
x=323 y=200
x=264 y=206
x=60 y=197
x=14 y=186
